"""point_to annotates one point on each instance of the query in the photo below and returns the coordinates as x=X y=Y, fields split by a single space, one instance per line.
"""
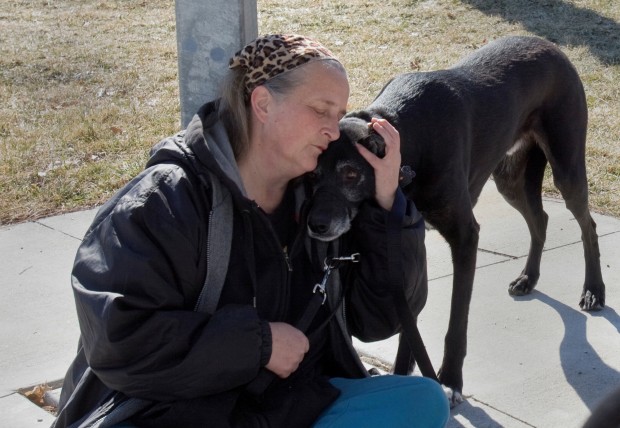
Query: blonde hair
x=234 y=111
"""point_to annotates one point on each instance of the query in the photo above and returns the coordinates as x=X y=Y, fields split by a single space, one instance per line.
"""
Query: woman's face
x=302 y=123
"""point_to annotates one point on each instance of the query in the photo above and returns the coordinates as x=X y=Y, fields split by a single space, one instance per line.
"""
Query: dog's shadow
x=601 y=38
x=586 y=372
x=475 y=415
x=584 y=369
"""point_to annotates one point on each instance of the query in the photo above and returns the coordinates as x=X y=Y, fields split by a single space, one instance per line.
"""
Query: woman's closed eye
x=320 y=112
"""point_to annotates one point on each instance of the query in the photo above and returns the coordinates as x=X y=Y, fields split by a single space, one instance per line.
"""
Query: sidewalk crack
x=471 y=397
x=56 y=230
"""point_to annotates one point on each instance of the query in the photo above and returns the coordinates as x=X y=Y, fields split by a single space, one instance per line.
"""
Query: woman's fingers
x=288 y=347
x=386 y=168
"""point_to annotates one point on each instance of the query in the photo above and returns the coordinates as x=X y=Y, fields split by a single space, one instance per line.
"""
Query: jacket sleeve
x=136 y=279
x=377 y=234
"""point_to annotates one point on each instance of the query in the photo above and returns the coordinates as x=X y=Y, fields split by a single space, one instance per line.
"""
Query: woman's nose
x=333 y=130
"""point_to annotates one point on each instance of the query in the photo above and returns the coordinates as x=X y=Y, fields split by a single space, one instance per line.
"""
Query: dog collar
x=406 y=176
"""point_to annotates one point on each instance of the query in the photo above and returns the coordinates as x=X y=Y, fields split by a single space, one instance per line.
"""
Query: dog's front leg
x=464 y=246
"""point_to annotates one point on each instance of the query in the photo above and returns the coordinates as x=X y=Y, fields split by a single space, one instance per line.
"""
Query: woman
x=138 y=275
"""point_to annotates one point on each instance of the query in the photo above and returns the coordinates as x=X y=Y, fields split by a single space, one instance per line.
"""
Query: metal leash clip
x=330 y=264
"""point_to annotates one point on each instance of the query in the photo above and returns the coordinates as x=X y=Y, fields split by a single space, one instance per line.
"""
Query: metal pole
x=209 y=32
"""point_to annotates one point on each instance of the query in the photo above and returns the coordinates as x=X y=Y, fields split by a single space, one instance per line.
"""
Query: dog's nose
x=318 y=228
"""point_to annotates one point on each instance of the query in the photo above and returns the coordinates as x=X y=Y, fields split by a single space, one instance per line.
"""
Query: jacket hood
x=204 y=144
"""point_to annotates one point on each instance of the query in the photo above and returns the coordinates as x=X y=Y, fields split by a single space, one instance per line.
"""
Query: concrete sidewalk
x=536 y=361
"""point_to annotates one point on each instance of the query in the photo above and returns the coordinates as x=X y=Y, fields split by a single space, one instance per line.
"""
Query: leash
x=413 y=338
x=408 y=322
x=319 y=292
x=409 y=325
x=319 y=296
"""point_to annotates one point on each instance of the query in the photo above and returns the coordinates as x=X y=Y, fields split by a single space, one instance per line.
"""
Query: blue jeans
x=387 y=401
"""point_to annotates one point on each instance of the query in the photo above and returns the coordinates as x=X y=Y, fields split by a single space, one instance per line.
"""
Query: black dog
x=506 y=110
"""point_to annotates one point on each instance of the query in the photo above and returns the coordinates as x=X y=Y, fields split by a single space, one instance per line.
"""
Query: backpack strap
x=219 y=237
x=219 y=240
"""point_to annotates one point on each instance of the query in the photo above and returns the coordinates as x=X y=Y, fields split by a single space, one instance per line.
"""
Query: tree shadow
x=561 y=23
x=584 y=369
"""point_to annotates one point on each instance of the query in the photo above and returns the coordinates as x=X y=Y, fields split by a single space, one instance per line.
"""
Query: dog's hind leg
x=593 y=294
x=575 y=196
x=519 y=179
x=567 y=159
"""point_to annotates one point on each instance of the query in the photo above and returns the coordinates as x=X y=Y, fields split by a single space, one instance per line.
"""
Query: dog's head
x=342 y=180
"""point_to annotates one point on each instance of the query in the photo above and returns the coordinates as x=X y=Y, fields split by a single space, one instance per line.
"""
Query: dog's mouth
x=329 y=236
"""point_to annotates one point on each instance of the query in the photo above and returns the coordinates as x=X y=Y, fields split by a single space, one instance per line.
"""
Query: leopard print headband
x=270 y=55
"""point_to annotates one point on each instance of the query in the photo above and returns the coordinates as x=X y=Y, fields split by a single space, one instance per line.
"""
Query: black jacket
x=141 y=266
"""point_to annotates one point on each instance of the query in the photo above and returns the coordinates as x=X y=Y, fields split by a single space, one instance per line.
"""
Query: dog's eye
x=349 y=174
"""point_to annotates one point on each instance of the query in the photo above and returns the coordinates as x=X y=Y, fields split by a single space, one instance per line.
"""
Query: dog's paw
x=520 y=286
x=454 y=397
x=590 y=302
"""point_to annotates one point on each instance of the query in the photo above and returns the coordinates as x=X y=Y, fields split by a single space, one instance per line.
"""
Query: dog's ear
x=373 y=142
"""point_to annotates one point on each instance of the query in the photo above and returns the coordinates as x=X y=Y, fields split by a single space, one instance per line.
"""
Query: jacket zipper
x=287 y=259
x=285 y=255
x=203 y=289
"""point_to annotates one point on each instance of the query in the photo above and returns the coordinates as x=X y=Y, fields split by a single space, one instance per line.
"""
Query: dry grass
x=87 y=87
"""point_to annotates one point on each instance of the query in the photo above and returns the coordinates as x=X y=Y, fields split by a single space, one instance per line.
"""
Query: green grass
x=87 y=87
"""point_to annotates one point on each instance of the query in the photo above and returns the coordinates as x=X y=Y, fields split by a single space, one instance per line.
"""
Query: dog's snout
x=319 y=229
x=318 y=224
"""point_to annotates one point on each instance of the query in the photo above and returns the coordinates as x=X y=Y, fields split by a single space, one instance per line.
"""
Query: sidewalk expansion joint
x=471 y=397
x=496 y=253
x=56 y=230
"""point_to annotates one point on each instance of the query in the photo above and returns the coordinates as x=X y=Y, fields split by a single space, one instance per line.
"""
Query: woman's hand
x=288 y=347
x=387 y=169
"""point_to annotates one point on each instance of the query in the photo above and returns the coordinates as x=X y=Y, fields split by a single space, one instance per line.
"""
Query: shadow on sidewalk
x=475 y=415
x=584 y=369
